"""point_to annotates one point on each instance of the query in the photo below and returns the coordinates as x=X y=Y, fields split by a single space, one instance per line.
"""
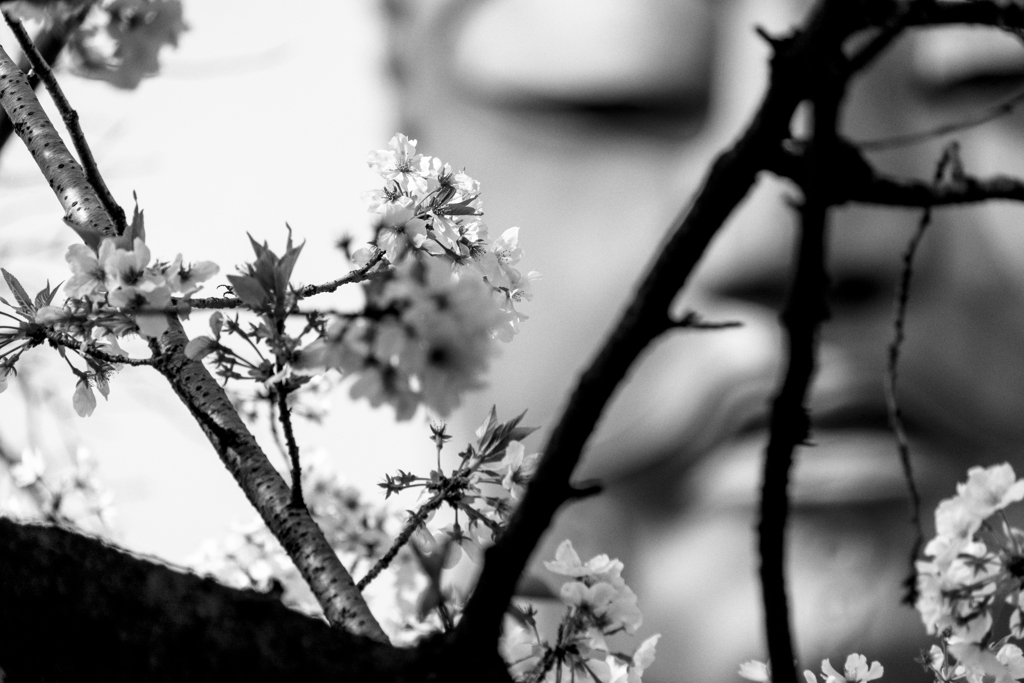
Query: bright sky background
x=260 y=117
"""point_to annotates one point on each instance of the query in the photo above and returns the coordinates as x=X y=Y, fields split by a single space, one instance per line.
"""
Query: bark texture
x=82 y=208
x=268 y=492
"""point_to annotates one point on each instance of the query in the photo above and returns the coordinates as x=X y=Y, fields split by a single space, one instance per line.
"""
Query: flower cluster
x=484 y=489
x=599 y=604
x=974 y=565
x=112 y=292
x=425 y=336
x=116 y=291
x=855 y=670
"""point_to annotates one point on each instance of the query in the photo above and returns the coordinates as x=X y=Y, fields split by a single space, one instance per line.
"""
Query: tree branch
x=50 y=42
x=83 y=210
x=70 y=116
x=1006 y=15
x=730 y=178
x=862 y=184
x=122 y=618
x=789 y=424
x=268 y=492
x=284 y=414
x=298 y=533
x=58 y=339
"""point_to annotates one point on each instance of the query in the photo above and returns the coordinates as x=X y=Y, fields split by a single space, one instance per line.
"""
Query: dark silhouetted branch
x=794 y=69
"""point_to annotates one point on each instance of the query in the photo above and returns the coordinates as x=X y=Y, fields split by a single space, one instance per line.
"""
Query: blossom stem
x=83 y=349
x=411 y=525
x=70 y=116
x=284 y=414
x=357 y=275
x=892 y=371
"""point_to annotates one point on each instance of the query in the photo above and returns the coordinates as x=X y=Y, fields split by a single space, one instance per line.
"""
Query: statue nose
x=752 y=261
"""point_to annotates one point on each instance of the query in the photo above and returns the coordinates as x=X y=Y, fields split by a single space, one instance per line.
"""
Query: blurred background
x=589 y=124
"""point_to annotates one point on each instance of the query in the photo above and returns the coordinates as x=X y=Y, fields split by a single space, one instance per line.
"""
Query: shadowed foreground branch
x=73 y=606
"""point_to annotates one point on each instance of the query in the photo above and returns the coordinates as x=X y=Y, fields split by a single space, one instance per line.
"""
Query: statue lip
x=842 y=467
x=851 y=457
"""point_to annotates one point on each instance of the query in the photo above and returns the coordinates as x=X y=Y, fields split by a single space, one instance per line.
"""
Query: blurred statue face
x=590 y=124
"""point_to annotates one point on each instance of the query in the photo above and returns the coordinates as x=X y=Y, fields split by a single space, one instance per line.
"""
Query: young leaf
x=249 y=290
x=138 y=225
x=45 y=295
x=19 y=292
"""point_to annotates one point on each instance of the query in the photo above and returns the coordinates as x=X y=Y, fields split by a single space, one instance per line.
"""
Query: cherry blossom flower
x=599 y=604
x=401 y=164
x=855 y=670
x=384 y=385
x=399 y=228
x=128 y=269
x=88 y=271
x=643 y=658
x=185 y=280
x=599 y=568
x=1012 y=657
x=988 y=490
x=755 y=671
x=520 y=649
x=518 y=467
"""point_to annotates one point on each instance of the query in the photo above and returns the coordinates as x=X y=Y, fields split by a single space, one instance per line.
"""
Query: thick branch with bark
x=83 y=210
x=77 y=608
x=72 y=604
x=50 y=41
x=268 y=492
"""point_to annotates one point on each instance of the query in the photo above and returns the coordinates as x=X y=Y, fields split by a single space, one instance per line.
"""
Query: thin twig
x=284 y=414
x=949 y=156
x=212 y=302
x=888 y=33
x=691 y=320
x=1001 y=14
x=1001 y=109
x=865 y=185
x=70 y=116
x=413 y=523
x=58 y=339
x=357 y=275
